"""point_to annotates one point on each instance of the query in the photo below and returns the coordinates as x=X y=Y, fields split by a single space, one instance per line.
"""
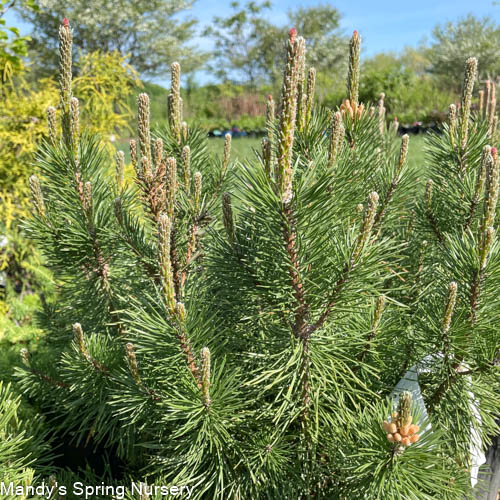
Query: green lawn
x=242 y=148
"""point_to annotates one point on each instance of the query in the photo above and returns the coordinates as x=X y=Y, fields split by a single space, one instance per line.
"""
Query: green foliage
x=22 y=127
x=248 y=47
x=308 y=276
x=411 y=96
x=220 y=106
x=104 y=84
x=453 y=42
x=13 y=46
x=22 y=441
x=159 y=37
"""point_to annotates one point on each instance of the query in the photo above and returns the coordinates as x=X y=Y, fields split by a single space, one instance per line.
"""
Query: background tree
x=468 y=36
x=148 y=31
x=412 y=94
x=13 y=46
x=241 y=39
x=249 y=48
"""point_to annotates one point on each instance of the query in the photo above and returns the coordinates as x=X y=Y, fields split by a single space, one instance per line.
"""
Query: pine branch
x=363 y=238
x=395 y=180
x=379 y=309
x=25 y=356
x=150 y=270
x=429 y=214
x=289 y=237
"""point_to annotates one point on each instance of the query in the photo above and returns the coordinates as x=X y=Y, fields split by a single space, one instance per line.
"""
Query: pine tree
x=239 y=328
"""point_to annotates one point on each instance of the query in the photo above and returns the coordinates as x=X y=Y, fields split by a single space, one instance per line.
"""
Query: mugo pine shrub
x=238 y=328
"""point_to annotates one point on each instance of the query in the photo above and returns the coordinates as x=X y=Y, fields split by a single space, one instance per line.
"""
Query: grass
x=243 y=147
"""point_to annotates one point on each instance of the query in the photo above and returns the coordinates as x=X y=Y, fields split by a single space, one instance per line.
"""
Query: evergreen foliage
x=238 y=328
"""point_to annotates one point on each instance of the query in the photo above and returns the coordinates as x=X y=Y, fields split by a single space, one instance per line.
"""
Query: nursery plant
x=245 y=328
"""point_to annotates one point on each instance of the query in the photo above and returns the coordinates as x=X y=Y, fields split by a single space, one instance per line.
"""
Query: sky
x=385 y=25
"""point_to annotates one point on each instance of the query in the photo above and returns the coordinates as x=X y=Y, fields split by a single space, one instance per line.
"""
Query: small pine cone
x=397 y=437
x=390 y=438
x=405 y=441
x=392 y=428
x=414 y=438
x=413 y=429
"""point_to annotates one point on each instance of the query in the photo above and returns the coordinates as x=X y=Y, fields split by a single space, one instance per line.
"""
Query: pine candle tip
x=181 y=311
x=292 y=34
x=270 y=97
x=374 y=197
x=65 y=22
x=472 y=61
x=25 y=356
x=355 y=34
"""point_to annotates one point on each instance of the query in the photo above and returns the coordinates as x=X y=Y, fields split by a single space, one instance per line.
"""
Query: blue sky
x=385 y=25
